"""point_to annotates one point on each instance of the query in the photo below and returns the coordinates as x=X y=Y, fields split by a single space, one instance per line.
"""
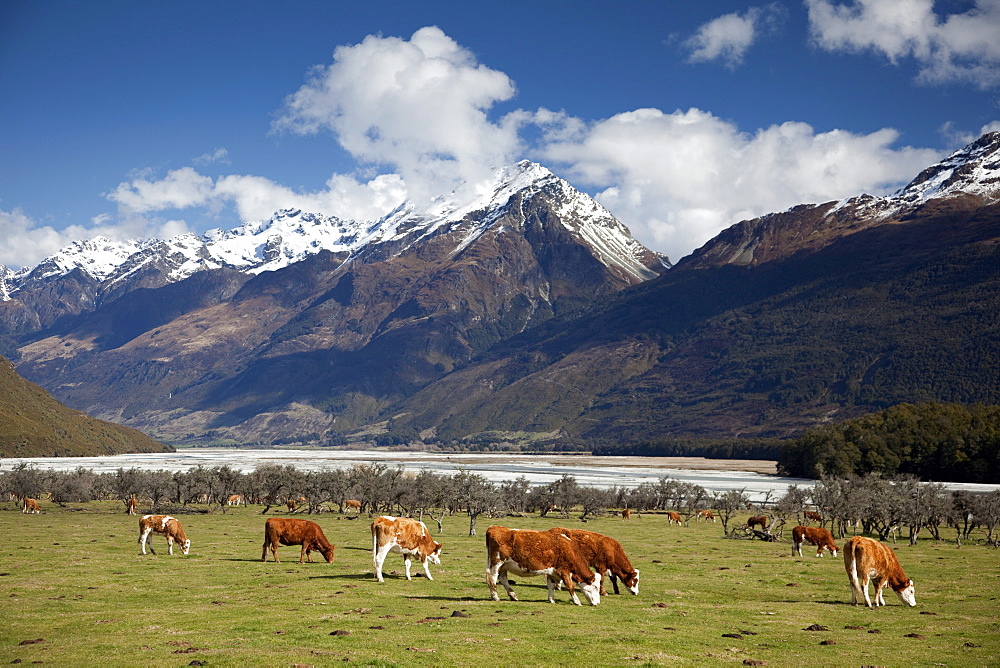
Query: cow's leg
x=170 y=545
x=263 y=552
x=879 y=587
x=506 y=583
x=143 y=539
x=378 y=559
x=427 y=569
x=614 y=583
x=491 y=580
x=796 y=548
x=819 y=550
x=864 y=590
x=304 y=554
x=406 y=563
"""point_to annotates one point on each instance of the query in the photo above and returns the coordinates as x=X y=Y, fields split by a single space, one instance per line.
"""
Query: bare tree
x=728 y=504
x=477 y=495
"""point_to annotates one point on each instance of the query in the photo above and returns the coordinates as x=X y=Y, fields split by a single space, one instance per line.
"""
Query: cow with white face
x=867 y=560
x=166 y=526
x=552 y=554
x=406 y=536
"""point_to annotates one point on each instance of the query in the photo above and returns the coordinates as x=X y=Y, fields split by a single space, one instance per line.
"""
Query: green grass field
x=73 y=580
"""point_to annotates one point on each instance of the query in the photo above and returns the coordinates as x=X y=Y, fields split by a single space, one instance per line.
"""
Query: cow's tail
x=851 y=562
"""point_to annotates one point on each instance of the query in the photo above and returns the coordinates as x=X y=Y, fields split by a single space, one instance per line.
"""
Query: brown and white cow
x=165 y=525
x=758 y=520
x=352 y=503
x=673 y=516
x=286 y=531
x=236 y=500
x=29 y=505
x=606 y=556
x=818 y=536
x=525 y=552
x=131 y=506
x=292 y=505
x=706 y=515
x=406 y=536
x=626 y=514
x=866 y=560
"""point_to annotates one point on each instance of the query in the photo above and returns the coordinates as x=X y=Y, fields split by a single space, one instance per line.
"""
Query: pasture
x=77 y=592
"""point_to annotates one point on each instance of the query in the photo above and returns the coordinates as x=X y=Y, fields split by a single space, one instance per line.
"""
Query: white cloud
x=419 y=106
x=257 y=197
x=27 y=242
x=728 y=37
x=678 y=179
x=961 y=48
x=219 y=155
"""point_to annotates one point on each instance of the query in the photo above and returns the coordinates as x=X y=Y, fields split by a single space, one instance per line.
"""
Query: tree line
x=871 y=503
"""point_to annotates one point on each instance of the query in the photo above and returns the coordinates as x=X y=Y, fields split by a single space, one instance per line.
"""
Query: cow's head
x=592 y=589
x=186 y=546
x=435 y=556
x=327 y=552
x=631 y=580
x=907 y=594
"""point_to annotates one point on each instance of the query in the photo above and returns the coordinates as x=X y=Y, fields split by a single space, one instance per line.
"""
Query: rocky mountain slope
x=306 y=324
x=782 y=322
x=33 y=424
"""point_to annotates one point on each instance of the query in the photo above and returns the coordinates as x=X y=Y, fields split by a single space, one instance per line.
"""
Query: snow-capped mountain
x=291 y=235
x=972 y=172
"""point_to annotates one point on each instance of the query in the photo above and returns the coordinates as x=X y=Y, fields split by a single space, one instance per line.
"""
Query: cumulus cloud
x=257 y=197
x=678 y=179
x=728 y=37
x=959 y=48
x=419 y=106
x=27 y=241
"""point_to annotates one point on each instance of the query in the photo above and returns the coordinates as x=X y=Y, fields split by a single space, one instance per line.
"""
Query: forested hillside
x=932 y=441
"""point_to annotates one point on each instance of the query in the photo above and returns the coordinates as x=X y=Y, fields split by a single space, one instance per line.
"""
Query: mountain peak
x=972 y=170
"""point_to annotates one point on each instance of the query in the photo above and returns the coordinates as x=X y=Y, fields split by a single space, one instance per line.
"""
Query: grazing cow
x=280 y=530
x=131 y=506
x=626 y=515
x=236 y=500
x=674 y=517
x=406 y=536
x=291 y=504
x=758 y=520
x=706 y=515
x=813 y=515
x=524 y=552
x=818 y=536
x=865 y=560
x=166 y=525
x=352 y=503
x=606 y=556
x=29 y=505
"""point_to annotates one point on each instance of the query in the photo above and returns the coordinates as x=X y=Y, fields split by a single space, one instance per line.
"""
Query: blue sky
x=137 y=119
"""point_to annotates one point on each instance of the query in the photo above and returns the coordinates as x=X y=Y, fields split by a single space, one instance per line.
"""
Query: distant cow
x=866 y=560
x=606 y=556
x=818 y=536
x=291 y=504
x=29 y=505
x=758 y=520
x=706 y=515
x=165 y=525
x=813 y=515
x=674 y=517
x=406 y=536
x=352 y=503
x=524 y=552
x=236 y=500
x=626 y=514
x=131 y=507
x=284 y=531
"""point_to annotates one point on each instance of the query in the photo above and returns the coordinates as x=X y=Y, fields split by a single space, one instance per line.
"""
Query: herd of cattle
x=573 y=558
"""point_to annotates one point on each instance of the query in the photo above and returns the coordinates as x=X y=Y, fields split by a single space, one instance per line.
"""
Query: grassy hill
x=33 y=424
